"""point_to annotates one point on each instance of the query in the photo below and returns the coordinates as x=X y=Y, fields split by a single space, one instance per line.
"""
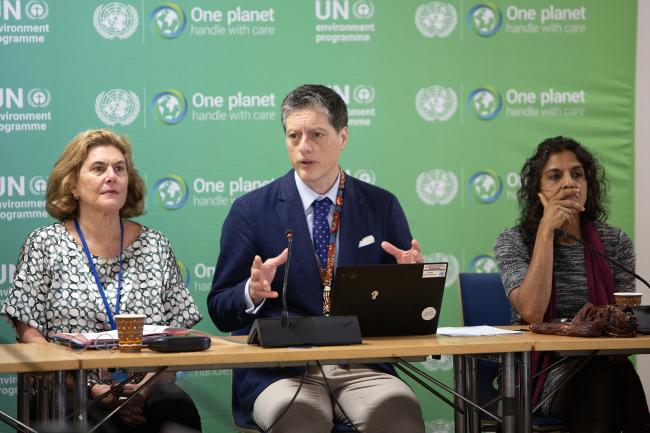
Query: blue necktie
x=321 y=230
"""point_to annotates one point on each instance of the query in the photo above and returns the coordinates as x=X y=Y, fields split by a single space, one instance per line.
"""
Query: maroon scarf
x=600 y=283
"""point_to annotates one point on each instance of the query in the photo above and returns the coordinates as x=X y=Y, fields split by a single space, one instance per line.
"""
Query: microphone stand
x=564 y=234
x=303 y=331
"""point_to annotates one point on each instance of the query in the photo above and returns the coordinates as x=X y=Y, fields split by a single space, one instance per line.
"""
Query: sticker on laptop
x=428 y=313
x=434 y=270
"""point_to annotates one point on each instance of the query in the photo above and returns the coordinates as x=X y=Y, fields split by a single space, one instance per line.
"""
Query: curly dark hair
x=531 y=175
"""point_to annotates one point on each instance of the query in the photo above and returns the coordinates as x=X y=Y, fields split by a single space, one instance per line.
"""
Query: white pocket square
x=367 y=241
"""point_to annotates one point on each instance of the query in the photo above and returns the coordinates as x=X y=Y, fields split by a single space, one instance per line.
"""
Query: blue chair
x=483 y=302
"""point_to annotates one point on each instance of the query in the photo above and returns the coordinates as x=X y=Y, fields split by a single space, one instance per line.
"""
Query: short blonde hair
x=60 y=202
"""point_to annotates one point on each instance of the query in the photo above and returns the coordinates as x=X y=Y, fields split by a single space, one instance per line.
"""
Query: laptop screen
x=391 y=300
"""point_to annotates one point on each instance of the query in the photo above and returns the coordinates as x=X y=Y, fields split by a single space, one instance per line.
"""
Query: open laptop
x=390 y=299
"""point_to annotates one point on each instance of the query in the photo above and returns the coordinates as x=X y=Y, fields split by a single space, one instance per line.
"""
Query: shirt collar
x=307 y=195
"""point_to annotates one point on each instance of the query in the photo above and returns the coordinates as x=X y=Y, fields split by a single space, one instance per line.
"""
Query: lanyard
x=93 y=269
x=327 y=272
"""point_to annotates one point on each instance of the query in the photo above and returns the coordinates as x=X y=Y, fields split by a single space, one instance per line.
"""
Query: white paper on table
x=474 y=331
x=112 y=334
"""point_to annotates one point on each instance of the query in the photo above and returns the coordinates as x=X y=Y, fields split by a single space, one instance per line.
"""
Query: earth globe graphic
x=170 y=193
x=484 y=19
x=168 y=21
x=485 y=187
x=169 y=107
x=484 y=103
x=485 y=265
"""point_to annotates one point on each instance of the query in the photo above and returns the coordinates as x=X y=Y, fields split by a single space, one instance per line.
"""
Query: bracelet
x=91 y=383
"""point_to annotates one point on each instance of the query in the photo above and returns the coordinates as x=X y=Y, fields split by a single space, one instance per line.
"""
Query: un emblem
x=365 y=175
x=436 y=103
x=453 y=266
x=436 y=19
x=437 y=186
x=115 y=20
x=117 y=107
x=439 y=426
x=39 y=98
x=445 y=363
x=36 y=10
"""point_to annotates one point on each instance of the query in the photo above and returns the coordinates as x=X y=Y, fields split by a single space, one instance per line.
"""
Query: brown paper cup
x=129 y=331
x=628 y=299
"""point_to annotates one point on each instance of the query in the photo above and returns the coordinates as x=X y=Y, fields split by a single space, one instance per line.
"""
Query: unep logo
x=364 y=94
x=169 y=106
x=484 y=102
x=437 y=186
x=38 y=185
x=363 y=9
x=115 y=20
x=436 y=19
x=484 y=19
x=483 y=264
x=36 y=9
x=168 y=21
x=170 y=192
x=39 y=98
x=436 y=103
x=485 y=186
x=117 y=107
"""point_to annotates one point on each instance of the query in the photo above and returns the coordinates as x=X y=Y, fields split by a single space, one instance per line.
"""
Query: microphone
x=288 y=233
x=306 y=330
x=564 y=234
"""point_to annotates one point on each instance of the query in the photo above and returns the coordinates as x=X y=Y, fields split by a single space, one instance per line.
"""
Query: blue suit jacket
x=256 y=225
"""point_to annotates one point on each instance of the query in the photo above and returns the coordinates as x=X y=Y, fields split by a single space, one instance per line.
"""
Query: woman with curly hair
x=547 y=278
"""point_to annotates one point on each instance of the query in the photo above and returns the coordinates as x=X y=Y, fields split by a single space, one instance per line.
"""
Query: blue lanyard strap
x=93 y=269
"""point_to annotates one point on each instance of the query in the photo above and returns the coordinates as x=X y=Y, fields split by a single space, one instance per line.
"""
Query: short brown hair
x=65 y=173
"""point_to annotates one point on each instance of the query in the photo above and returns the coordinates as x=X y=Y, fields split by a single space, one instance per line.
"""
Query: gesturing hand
x=262 y=274
x=414 y=255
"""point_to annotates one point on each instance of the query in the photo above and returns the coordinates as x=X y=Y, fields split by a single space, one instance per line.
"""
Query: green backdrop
x=446 y=99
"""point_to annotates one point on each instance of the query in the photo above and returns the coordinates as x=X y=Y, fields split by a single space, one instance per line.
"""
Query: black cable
x=329 y=389
x=286 y=409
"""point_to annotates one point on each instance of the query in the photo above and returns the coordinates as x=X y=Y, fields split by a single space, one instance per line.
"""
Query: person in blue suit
x=336 y=220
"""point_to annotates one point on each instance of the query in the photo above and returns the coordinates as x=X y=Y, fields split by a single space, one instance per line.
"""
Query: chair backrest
x=483 y=300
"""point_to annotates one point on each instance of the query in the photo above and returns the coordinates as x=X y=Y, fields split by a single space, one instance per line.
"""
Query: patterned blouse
x=54 y=290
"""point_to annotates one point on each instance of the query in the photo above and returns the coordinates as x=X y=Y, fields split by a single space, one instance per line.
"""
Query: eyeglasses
x=79 y=342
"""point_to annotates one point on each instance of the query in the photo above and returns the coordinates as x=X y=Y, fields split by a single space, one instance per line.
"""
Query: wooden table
x=28 y=359
x=233 y=352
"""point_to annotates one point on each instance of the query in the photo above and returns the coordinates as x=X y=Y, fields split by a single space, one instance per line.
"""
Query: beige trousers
x=376 y=402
